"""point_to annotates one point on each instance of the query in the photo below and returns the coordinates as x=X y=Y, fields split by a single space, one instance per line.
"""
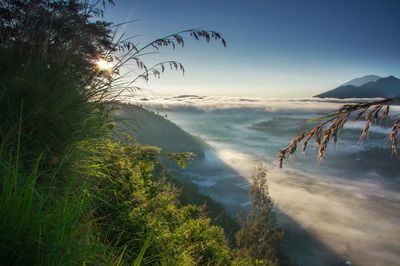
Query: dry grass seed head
x=393 y=136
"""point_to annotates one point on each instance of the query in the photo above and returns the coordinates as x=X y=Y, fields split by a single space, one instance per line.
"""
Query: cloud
x=195 y=103
x=359 y=125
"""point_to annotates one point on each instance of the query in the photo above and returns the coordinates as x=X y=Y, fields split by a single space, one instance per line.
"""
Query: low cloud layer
x=207 y=103
x=356 y=219
x=351 y=209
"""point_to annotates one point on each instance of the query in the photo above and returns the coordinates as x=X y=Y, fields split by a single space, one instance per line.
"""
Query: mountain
x=383 y=87
x=361 y=81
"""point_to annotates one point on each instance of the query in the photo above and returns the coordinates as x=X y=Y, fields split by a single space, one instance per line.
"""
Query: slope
x=385 y=87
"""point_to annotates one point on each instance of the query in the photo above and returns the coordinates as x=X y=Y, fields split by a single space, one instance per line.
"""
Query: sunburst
x=104 y=65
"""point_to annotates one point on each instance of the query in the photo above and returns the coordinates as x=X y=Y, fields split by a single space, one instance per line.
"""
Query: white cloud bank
x=207 y=103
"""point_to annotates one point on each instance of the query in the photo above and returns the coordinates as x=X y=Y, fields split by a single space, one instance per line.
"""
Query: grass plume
x=329 y=127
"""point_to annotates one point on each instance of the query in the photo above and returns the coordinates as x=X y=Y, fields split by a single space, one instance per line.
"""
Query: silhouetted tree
x=68 y=34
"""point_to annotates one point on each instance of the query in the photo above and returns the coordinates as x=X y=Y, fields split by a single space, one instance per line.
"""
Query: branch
x=331 y=125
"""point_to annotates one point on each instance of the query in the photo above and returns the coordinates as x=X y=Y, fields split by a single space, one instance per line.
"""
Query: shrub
x=130 y=203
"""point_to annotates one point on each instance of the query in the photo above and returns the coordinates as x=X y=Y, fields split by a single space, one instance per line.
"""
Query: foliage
x=331 y=125
x=54 y=112
x=260 y=237
x=47 y=58
x=181 y=158
x=131 y=204
x=189 y=194
x=64 y=33
x=41 y=225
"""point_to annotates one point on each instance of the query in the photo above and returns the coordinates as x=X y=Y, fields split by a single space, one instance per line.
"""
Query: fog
x=345 y=208
x=209 y=103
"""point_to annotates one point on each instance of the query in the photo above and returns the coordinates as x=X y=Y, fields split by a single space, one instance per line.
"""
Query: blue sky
x=277 y=48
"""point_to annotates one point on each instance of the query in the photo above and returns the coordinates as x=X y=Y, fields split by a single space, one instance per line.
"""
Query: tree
x=260 y=237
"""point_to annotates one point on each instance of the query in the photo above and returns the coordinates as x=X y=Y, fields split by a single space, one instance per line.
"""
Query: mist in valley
x=344 y=208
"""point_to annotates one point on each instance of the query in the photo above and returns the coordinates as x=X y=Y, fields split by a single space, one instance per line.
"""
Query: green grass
x=40 y=224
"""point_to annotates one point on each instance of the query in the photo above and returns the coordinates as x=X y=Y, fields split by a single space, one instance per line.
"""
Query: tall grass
x=44 y=214
x=40 y=225
x=55 y=112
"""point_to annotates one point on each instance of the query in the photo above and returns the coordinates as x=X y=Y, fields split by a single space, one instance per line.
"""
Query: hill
x=152 y=129
x=384 y=87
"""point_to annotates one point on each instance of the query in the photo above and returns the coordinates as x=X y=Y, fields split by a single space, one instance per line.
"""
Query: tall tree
x=260 y=237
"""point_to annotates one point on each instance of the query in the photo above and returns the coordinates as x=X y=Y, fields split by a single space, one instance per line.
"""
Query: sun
x=103 y=65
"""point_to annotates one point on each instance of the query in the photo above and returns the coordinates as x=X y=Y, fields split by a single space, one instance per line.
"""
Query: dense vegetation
x=70 y=193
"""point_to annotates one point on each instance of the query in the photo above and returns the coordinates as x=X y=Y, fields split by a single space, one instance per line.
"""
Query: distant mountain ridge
x=381 y=88
x=362 y=80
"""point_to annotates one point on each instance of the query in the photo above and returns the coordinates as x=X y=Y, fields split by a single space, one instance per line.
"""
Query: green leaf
x=181 y=158
x=146 y=245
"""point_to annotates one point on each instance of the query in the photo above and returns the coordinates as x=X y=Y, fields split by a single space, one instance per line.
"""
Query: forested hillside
x=152 y=129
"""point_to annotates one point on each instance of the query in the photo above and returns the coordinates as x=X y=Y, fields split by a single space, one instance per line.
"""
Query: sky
x=276 y=48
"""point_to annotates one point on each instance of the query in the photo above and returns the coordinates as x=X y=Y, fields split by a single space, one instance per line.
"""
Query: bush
x=131 y=203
